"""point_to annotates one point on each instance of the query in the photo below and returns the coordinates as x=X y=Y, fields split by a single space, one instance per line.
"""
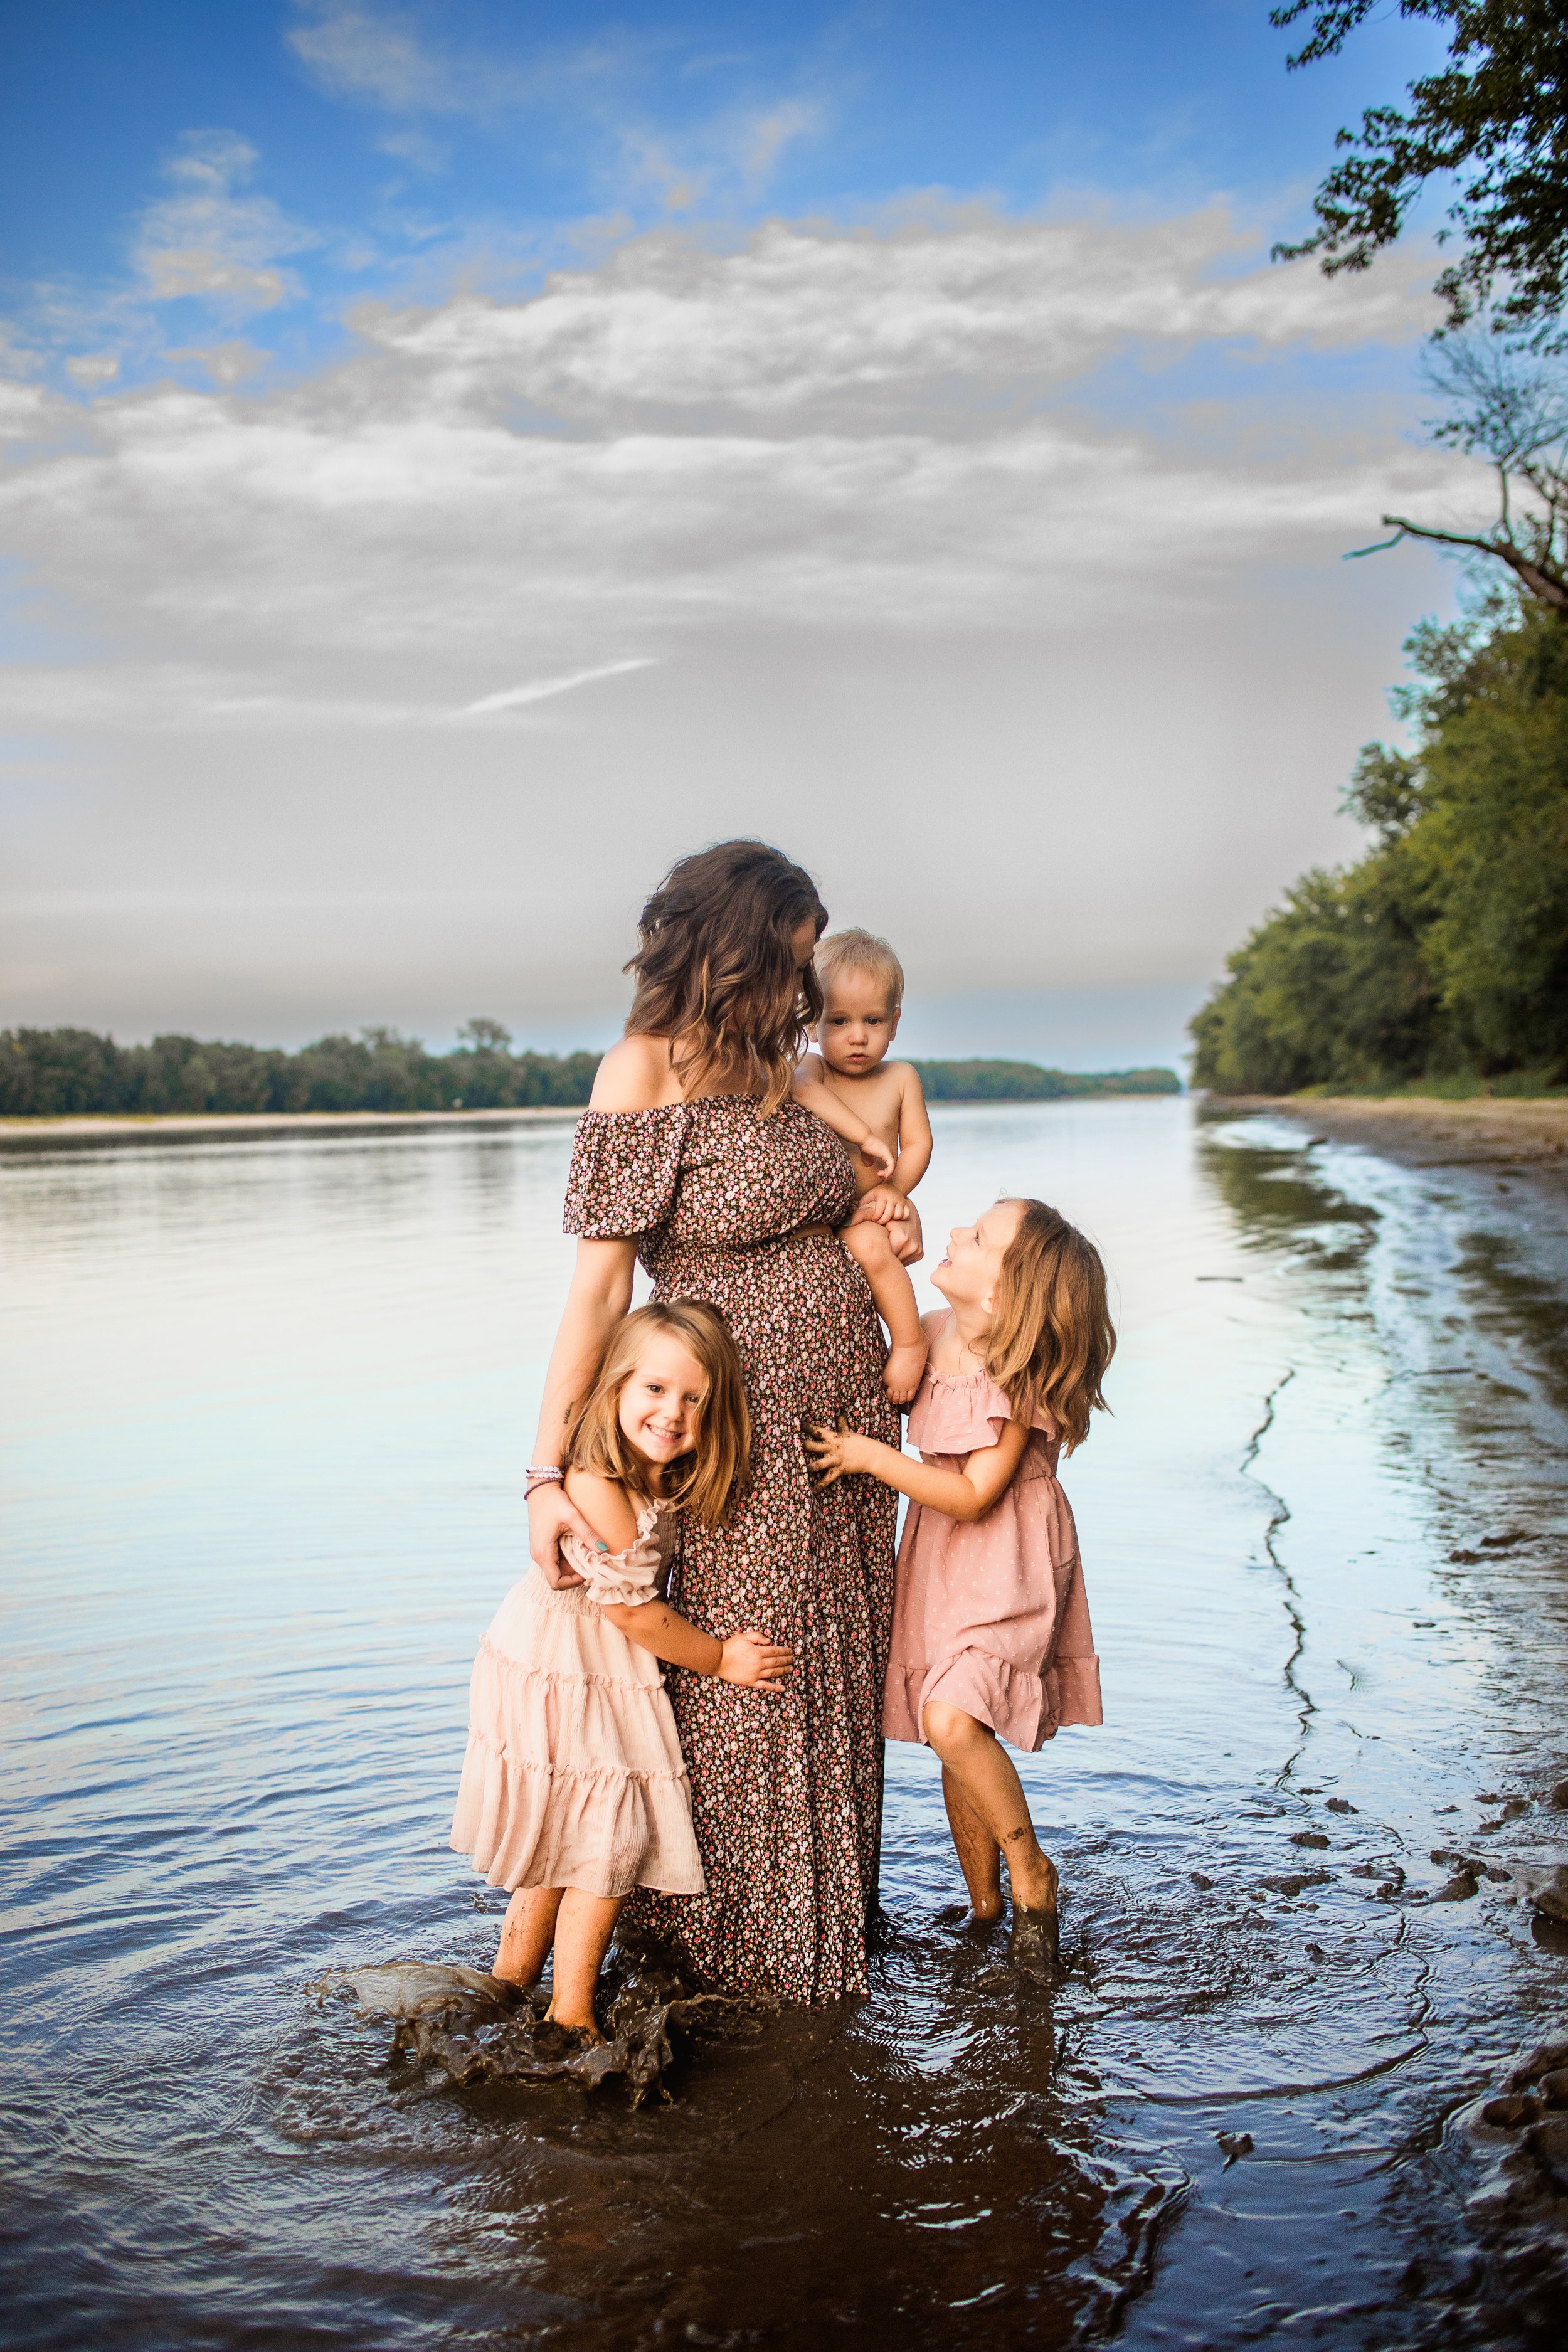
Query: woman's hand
x=550 y=1517
x=753 y=1660
x=832 y=1452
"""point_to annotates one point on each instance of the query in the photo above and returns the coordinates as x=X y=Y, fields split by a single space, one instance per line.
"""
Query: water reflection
x=265 y=1411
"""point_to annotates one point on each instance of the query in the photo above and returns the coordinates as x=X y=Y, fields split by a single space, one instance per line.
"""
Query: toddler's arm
x=812 y=1091
x=749 y=1658
x=915 y=1130
x=966 y=1494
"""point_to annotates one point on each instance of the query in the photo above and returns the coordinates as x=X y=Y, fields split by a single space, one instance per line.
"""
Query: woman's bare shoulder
x=636 y=1075
x=606 y=1505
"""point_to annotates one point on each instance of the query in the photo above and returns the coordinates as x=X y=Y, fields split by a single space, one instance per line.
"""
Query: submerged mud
x=1297 y=2076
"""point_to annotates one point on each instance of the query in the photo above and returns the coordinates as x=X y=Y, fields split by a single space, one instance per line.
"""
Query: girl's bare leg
x=527 y=1933
x=582 y=1935
x=991 y=1788
x=979 y=1856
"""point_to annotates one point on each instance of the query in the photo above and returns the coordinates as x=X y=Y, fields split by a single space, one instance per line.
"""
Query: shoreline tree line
x=64 y=1073
x=1441 y=954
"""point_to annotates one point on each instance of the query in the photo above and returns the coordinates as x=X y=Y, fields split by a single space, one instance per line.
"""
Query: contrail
x=514 y=696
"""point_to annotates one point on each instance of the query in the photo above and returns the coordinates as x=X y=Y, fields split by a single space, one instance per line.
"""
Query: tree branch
x=1551 y=589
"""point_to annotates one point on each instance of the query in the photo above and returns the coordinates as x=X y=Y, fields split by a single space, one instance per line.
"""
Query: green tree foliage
x=1496 y=118
x=52 y=1072
x=1445 y=951
x=1028 y=1082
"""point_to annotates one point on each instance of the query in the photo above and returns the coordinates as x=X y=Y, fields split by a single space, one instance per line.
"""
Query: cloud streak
x=518 y=698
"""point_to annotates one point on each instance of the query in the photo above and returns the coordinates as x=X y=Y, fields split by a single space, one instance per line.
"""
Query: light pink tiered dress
x=574 y=1775
x=990 y=1614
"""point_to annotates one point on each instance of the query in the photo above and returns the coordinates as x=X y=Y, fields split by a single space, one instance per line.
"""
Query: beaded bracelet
x=542 y=1473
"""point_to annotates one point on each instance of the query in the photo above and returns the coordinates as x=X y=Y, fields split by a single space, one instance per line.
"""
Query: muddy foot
x=1034 y=1947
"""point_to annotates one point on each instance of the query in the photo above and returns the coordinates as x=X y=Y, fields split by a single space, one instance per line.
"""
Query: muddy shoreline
x=1423 y=1131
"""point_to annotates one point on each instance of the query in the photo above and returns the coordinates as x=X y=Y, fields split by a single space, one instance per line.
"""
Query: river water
x=265 y=1410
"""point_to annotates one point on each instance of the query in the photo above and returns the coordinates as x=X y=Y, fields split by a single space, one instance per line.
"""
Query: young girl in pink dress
x=991 y=1632
x=573 y=1788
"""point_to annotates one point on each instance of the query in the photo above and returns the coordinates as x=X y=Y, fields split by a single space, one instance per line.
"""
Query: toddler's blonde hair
x=861 y=951
x=703 y=1480
x=1051 y=1337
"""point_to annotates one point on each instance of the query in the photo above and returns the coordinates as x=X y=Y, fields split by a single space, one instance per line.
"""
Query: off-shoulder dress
x=787 y=1791
x=574 y=1775
x=990 y=1614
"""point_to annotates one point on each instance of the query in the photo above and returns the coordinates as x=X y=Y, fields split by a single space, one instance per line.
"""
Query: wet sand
x=1423 y=1131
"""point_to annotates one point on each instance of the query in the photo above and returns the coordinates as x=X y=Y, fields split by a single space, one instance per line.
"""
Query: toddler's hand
x=876 y=1154
x=881 y=1206
x=755 y=1661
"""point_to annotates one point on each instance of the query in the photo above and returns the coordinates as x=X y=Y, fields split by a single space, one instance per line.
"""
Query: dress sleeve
x=625 y=1166
x=618 y=1579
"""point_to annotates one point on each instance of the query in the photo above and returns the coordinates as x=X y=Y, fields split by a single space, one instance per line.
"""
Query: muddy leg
x=527 y=1933
x=990 y=1786
x=583 y=1936
x=979 y=1856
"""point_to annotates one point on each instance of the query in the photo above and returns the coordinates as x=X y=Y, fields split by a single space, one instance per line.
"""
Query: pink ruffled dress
x=574 y=1775
x=990 y=1614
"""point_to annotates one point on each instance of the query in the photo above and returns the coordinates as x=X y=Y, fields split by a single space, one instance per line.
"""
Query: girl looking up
x=573 y=1788
x=991 y=1632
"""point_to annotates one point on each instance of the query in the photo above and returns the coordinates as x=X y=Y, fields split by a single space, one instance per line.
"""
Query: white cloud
x=518 y=698
x=90 y=369
x=211 y=236
x=881 y=550
x=226 y=364
x=818 y=424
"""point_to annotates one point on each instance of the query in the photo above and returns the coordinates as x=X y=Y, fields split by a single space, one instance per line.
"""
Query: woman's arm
x=966 y=1494
x=600 y=1295
x=914 y=1131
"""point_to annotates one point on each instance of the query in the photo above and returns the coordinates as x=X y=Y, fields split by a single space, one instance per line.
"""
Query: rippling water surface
x=265 y=1410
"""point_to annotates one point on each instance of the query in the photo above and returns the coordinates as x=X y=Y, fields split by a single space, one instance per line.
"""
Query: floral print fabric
x=787 y=1791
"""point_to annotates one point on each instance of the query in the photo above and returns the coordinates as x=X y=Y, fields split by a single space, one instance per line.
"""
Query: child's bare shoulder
x=606 y=1505
x=811 y=1069
x=908 y=1076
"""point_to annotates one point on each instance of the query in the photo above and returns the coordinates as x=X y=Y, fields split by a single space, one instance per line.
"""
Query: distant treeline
x=1442 y=953
x=1028 y=1082
x=52 y=1072
x=45 y=1073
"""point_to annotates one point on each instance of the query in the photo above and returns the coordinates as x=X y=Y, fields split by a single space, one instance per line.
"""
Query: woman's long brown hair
x=1051 y=1337
x=703 y=1480
x=715 y=972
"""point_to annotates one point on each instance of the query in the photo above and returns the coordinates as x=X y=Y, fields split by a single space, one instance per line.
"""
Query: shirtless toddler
x=878 y=1106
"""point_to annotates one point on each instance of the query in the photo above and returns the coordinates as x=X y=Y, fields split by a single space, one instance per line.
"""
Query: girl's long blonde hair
x=703 y=1480
x=1051 y=1336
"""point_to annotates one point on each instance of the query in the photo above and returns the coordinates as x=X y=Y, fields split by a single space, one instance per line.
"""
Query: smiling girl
x=575 y=1788
x=991 y=1632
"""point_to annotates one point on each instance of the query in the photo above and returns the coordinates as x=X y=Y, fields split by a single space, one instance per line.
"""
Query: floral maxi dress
x=787 y=1791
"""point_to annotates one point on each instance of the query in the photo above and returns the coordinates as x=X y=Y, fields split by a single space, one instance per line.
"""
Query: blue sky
x=430 y=425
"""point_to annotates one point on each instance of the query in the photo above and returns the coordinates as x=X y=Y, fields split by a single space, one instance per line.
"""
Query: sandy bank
x=94 y=1132
x=1425 y=1132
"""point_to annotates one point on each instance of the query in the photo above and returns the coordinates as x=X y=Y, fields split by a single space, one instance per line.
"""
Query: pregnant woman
x=692 y=1157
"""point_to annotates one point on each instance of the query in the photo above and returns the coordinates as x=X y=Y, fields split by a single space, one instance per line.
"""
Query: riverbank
x=1423 y=1131
x=94 y=1130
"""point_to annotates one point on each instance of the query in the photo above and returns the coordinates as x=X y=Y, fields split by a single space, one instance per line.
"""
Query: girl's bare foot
x=1034 y=1947
x=902 y=1375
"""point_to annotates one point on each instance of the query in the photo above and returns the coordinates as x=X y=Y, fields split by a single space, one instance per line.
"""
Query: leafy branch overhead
x=1496 y=118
